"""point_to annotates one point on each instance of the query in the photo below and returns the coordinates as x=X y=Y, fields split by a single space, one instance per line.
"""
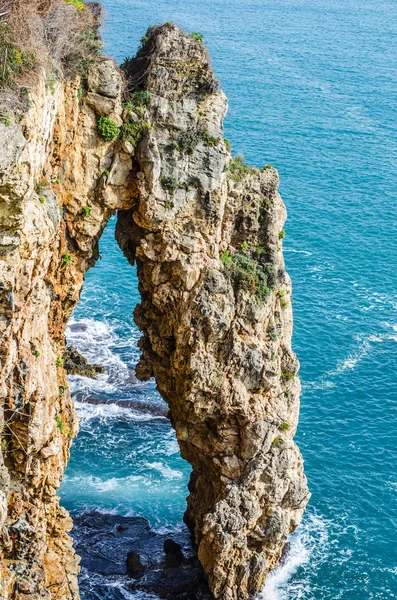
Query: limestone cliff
x=55 y=200
x=206 y=234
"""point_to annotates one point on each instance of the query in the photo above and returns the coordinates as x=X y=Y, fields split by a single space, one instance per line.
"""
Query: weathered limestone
x=50 y=171
x=217 y=343
x=216 y=316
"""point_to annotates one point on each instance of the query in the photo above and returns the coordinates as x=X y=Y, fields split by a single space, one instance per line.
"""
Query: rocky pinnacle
x=206 y=234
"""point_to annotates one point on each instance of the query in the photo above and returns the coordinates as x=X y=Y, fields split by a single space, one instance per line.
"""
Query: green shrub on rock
x=287 y=375
x=59 y=423
x=133 y=131
x=284 y=427
x=169 y=184
x=66 y=259
x=187 y=141
x=108 y=129
x=141 y=98
x=237 y=169
x=272 y=333
x=13 y=60
x=277 y=441
x=249 y=275
x=77 y=3
x=198 y=37
x=144 y=40
x=226 y=259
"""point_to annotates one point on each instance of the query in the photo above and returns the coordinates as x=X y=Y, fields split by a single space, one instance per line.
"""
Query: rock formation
x=76 y=364
x=206 y=234
x=55 y=200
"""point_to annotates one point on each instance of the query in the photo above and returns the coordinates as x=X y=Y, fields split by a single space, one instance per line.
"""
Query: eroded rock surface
x=54 y=204
x=206 y=234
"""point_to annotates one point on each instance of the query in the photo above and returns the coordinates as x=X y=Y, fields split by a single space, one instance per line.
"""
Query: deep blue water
x=312 y=90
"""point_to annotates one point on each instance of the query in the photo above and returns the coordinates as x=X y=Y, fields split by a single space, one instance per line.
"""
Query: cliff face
x=205 y=232
x=54 y=205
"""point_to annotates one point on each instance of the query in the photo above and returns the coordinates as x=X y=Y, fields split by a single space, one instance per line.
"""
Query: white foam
x=168 y=529
x=364 y=347
x=309 y=548
x=171 y=447
x=135 y=595
x=105 y=485
x=321 y=384
x=392 y=486
x=105 y=412
x=93 y=581
x=97 y=341
x=306 y=252
x=275 y=588
x=165 y=470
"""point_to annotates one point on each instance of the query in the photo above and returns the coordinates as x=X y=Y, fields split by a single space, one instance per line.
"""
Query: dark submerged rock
x=173 y=553
x=111 y=546
x=135 y=568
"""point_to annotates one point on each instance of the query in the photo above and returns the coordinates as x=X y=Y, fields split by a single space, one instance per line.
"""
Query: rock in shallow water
x=76 y=364
x=108 y=544
x=134 y=565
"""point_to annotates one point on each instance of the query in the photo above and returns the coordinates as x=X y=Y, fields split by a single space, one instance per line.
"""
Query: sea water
x=312 y=90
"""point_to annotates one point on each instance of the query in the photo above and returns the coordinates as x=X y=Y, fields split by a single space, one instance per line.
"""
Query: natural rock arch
x=215 y=313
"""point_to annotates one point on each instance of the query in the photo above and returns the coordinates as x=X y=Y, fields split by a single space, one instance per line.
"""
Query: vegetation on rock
x=59 y=423
x=249 y=275
x=108 y=129
x=237 y=169
x=61 y=36
x=198 y=37
x=135 y=117
x=133 y=132
x=66 y=259
x=77 y=3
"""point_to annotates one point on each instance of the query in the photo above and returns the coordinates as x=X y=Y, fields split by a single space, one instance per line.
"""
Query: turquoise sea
x=312 y=90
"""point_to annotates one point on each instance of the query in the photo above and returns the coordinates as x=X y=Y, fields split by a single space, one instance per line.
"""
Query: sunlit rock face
x=54 y=204
x=206 y=234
